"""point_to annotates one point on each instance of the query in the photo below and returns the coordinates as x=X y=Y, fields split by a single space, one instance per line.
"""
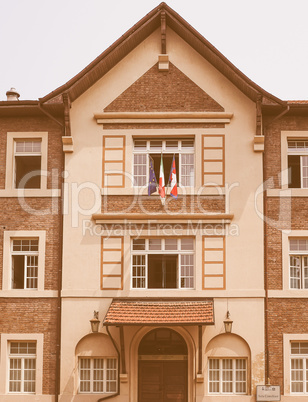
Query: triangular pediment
x=168 y=91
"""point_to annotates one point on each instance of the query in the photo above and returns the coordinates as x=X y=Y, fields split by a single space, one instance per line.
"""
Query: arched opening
x=162 y=367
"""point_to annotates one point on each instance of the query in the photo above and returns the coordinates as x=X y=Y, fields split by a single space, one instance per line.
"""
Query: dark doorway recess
x=162 y=367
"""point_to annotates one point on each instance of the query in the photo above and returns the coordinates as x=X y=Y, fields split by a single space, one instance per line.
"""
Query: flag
x=161 y=184
x=152 y=187
x=172 y=180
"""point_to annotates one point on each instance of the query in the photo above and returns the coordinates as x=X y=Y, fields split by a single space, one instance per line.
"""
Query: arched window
x=228 y=365
x=97 y=365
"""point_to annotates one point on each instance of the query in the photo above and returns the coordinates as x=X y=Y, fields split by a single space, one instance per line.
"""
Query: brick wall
x=163 y=91
x=38 y=316
x=151 y=205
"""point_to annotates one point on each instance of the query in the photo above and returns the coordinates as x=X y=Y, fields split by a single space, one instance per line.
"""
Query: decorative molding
x=67 y=142
x=180 y=218
x=163 y=62
x=258 y=143
x=162 y=117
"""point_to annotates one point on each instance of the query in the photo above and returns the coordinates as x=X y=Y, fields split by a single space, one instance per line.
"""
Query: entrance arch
x=162 y=367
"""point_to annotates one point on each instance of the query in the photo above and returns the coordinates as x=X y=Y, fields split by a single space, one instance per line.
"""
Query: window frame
x=304 y=359
x=8 y=237
x=12 y=137
x=179 y=150
x=5 y=340
x=234 y=375
x=302 y=254
x=163 y=251
x=105 y=371
x=301 y=154
x=22 y=357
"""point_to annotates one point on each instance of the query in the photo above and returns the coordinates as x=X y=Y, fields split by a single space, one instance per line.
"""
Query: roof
x=134 y=36
x=160 y=312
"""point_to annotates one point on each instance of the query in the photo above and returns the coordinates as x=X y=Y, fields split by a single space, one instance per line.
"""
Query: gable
x=168 y=91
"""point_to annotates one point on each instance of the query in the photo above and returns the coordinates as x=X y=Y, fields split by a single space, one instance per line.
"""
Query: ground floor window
x=227 y=376
x=98 y=375
x=299 y=367
x=22 y=367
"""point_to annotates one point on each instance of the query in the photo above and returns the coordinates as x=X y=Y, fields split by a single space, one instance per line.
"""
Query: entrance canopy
x=160 y=312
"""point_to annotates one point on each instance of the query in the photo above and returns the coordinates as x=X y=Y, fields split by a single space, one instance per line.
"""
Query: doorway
x=162 y=367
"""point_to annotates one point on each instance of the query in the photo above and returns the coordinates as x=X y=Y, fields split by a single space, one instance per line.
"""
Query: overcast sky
x=44 y=43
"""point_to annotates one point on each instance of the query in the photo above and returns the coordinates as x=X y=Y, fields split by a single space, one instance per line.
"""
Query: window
x=298 y=250
x=184 y=160
x=163 y=263
x=227 y=376
x=26 y=162
x=299 y=367
x=24 y=263
x=97 y=375
x=27 y=158
x=298 y=163
x=22 y=367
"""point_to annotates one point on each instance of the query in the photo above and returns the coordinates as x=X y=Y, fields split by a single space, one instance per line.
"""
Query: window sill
x=28 y=293
x=289 y=293
x=54 y=193
x=287 y=192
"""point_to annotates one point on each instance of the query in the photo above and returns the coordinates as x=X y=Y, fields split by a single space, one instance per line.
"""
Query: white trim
x=7 y=260
x=4 y=367
x=287 y=338
x=285 y=135
x=11 y=136
x=285 y=260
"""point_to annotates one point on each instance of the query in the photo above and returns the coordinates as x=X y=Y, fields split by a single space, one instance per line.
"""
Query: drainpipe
x=279 y=116
x=118 y=353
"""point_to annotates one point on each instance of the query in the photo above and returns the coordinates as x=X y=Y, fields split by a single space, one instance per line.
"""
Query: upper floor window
x=97 y=375
x=299 y=367
x=27 y=159
x=22 y=367
x=25 y=263
x=184 y=160
x=298 y=250
x=227 y=376
x=298 y=163
x=163 y=263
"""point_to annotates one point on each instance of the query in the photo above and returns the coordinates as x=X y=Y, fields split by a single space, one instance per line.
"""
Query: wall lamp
x=95 y=322
x=228 y=323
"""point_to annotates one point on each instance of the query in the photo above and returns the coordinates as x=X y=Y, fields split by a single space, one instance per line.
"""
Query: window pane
x=98 y=375
x=156 y=145
x=187 y=143
x=227 y=375
x=171 y=244
x=297 y=375
x=187 y=170
x=154 y=244
x=15 y=375
x=295 y=272
x=28 y=146
x=111 y=375
x=140 y=169
x=138 y=244
x=140 y=145
x=138 y=271
x=240 y=376
x=187 y=243
x=214 y=375
x=187 y=271
x=172 y=144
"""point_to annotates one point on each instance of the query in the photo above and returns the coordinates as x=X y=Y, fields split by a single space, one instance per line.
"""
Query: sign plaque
x=268 y=393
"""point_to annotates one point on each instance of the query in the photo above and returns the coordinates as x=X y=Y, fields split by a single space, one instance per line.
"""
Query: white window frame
x=303 y=156
x=287 y=356
x=302 y=255
x=8 y=236
x=12 y=137
x=28 y=256
x=234 y=380
x=105 y=370
x=160 y=251
x=22 y=358
x=5 y=362
x=179 y=150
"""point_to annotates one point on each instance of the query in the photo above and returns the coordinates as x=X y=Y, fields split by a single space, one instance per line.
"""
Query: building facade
x=193 y=292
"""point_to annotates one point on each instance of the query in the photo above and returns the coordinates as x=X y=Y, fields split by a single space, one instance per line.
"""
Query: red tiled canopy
x=160 y=312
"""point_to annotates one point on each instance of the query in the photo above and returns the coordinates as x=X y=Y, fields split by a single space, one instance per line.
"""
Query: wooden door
x=162 y=381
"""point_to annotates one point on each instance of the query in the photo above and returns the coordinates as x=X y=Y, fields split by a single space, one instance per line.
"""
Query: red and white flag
x=172 y=180
x=161 y=183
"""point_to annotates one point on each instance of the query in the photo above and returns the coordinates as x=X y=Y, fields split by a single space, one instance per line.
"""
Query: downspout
x=279 y=116
x=118 y=353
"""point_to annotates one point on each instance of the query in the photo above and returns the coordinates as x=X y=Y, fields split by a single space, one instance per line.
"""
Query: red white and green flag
x=161 y=183
x=173 y=181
